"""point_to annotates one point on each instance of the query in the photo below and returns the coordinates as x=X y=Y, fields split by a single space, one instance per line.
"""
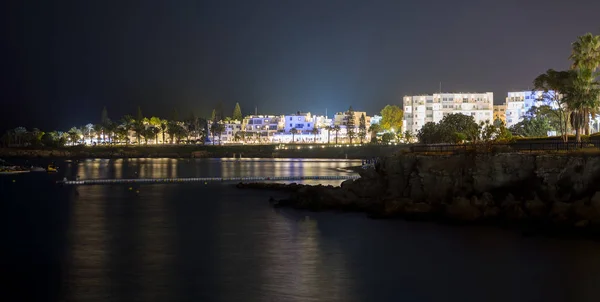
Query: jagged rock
x=560 y=211
x=368 y=173
x=485 y=201
x=366 y=188
x=595 y=201
x=491 y=212
x=536 y=208
x=396 y=205
x=347 y=183
x=411 y=183
x=417 y=208
x=584 y=210
x=512 y=208
x=461 y=209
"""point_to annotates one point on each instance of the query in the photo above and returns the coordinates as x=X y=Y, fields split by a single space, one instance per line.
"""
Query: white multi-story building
x=421 y=109
x=519 y=102
x=302 y=122
x=341 y=119
x=229 y=133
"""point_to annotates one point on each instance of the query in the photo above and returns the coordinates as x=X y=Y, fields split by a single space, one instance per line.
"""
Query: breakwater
x=557 y=190
x=202 y=179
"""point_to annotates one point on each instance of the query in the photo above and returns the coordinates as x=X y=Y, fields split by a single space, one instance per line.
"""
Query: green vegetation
x=459 y=128
x=362 y=128
x=391 y=118
x=237 y=113
x=574 y=93
x=350 y=124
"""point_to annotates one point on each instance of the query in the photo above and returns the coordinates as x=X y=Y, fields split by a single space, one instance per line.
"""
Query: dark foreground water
x=196 y=242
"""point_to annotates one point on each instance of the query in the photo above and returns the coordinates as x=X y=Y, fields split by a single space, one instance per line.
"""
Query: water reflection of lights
x=88 y=237
x=297 y=262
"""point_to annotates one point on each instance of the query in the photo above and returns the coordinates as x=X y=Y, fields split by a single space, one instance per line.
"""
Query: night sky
x=63 y=60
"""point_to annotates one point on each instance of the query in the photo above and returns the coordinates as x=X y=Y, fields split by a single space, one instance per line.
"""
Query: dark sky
x=63 y=60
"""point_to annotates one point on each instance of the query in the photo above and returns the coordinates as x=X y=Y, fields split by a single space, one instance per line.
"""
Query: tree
x=217 y=129
x=192 y=126
x=172 y=130
x=391 y=118
x=555 y=86
x=155 y=124
x=104 y=116
x=430 y=134
x=387 y=138
x=237 y=113
x=408 y=136
x=104 y=122
x=453 y=128
x=98 y=130
x=531 y=127
x=328 y=128
x=584 y=98
x=74 y=135
x=336 y=129
x=350 y=124
x=122 y=134
x=175 y=115
x=128 y=123
x=213 y=115
x=36 y=137
x=164 y=124
x=362 y=128
x=314 y=132
x=375 y=129
x=293 y=131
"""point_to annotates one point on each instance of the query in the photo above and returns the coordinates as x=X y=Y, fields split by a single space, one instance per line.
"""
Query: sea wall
x=553 y=189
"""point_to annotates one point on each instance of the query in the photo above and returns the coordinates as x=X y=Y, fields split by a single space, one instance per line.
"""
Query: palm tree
x=74 y=135
x=89 y=128
x=121 y=134
x=336 y=129
x=314 y=132
x=328 y=128
x=293 y=131
x=585 y=96
x=163 y=128
x=220 y=129
x=98 y=131
x=155 y=123
x=586 y=52
x=217 y=129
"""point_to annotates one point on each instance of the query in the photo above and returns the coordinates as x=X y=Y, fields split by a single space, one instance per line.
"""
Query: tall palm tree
x=336 y=129
x=585 y=96
x=314 y=132
x=155 y=122
x=163 y=128
x=328 y=128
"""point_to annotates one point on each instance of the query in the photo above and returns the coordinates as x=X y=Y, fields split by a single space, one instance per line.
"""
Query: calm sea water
x=196 y=242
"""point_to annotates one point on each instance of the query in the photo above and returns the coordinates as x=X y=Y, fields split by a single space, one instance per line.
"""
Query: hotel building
x=421 y=109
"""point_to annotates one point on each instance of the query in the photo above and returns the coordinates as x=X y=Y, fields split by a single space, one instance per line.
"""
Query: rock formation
x=555 y=189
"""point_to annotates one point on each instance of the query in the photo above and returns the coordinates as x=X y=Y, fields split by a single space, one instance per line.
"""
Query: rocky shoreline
x=555 y=191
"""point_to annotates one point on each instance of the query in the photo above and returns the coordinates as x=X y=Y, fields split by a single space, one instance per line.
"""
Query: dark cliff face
x=559 y=190
x=441 y=178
